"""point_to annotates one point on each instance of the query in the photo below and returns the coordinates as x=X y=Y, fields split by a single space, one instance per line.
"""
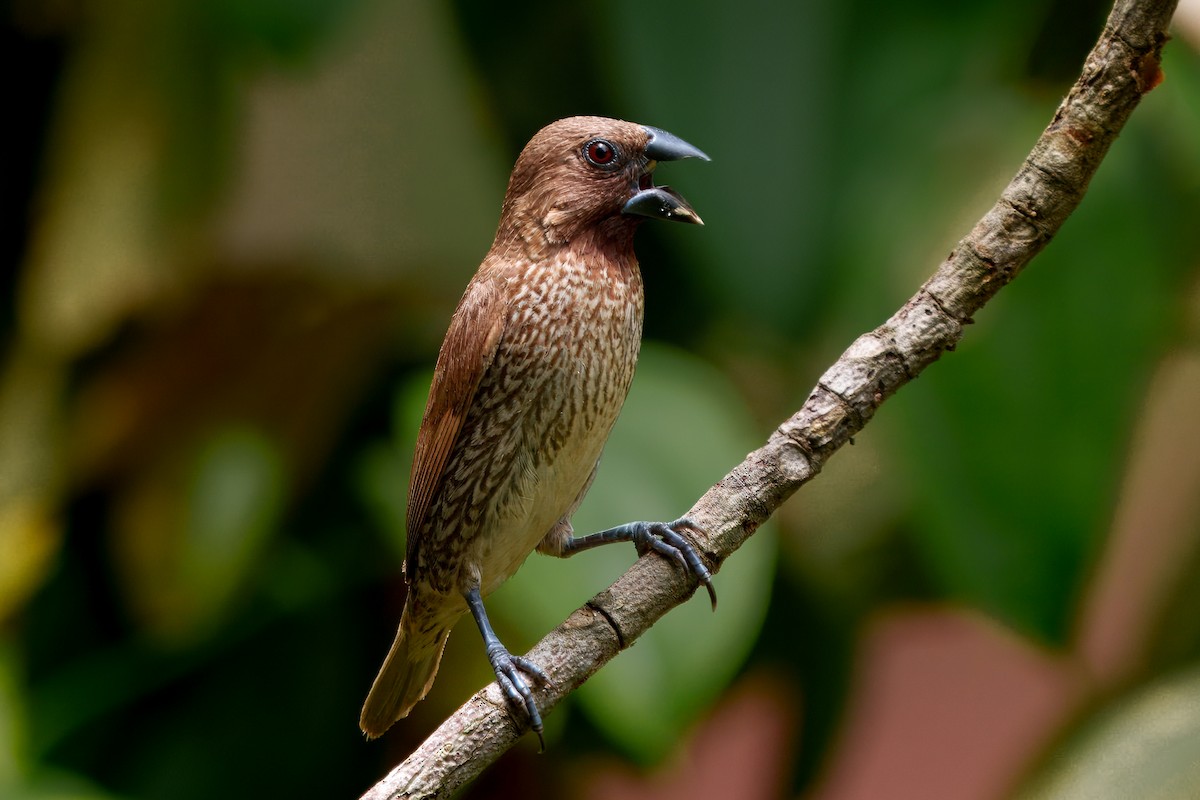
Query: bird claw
x=508 y=669
x=664 y=538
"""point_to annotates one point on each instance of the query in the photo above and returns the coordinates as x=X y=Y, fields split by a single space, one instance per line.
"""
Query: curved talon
x=663 y=538
x=695 y=565
x=508 y=669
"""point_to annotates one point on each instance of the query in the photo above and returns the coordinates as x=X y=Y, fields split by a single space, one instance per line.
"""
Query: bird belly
x=553 y=489
x=575 y=382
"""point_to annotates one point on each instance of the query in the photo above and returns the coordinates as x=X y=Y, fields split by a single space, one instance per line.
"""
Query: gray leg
x=508 y=668
x=661 y=537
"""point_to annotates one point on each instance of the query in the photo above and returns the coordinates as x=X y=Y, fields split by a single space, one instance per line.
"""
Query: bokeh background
x=236 y=230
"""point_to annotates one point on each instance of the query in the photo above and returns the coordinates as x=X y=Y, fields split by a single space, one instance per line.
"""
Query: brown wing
x=466 y=354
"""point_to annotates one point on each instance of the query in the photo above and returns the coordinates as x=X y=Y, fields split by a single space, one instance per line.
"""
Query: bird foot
x=664 y=538
x=661 y=537
x=508 y=669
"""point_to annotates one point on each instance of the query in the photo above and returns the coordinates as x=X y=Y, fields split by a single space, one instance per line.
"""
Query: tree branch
x=1121 y=68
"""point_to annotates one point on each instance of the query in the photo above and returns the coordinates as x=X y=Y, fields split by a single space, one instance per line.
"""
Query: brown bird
x=529 y=381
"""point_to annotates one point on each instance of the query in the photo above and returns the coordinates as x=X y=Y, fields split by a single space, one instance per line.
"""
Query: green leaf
x=1146 y=746
x=234 y=504
x=21 y=778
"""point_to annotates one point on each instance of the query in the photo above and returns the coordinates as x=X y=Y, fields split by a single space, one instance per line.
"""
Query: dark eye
x=600 y=153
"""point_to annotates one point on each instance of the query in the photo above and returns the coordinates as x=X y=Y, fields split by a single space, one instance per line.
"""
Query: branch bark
x=1121 y=68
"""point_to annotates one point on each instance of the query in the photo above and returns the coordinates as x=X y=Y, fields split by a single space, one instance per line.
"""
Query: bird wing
x=467 y=352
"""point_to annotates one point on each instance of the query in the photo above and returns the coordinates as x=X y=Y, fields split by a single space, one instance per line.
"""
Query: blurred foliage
x=1147 y=745
x=239 y=228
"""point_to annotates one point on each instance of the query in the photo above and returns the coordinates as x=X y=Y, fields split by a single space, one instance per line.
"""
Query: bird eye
x=600 y=153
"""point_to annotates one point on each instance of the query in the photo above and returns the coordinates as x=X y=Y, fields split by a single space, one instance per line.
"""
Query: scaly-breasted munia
x=529 y=381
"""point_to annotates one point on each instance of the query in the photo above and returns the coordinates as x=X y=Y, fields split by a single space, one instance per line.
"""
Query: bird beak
x=664 y=146
x=663 y=202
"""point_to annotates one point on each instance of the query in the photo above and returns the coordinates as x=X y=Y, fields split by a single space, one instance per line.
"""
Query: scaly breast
x=545 y=408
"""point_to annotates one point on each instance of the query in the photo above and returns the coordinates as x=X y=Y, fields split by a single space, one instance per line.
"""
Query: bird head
x=592 y=175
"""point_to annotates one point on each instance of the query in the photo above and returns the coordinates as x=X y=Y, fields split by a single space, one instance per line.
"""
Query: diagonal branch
x=1122 y=67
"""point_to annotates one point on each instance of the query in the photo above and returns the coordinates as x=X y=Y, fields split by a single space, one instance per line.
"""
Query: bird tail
x=405 y=677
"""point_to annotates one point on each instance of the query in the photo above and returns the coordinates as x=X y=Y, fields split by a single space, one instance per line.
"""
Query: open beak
x=663 y=202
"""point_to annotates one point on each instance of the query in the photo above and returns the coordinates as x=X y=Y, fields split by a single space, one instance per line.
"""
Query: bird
x=532 y=373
